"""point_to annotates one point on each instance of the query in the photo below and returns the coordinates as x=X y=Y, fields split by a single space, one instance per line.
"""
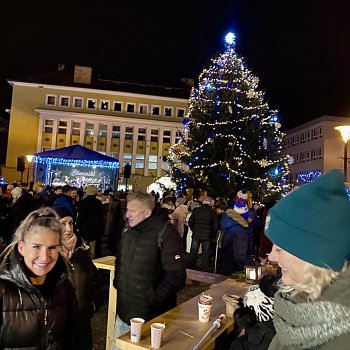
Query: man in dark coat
x=90 y=222
x=204 y=224
x=150 y=265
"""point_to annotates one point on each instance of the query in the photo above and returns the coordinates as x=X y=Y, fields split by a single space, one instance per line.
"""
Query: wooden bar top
x=184 y=318
x=106 y=262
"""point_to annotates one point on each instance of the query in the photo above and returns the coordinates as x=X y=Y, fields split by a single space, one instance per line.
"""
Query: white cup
x=136 y=327
x=157 y=330
x=204 y=312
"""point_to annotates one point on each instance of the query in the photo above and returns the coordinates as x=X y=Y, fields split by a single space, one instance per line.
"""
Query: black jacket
x=90 y=218
x=149 y=271
x=35 y=317
x=83 y=275
x=203 y=223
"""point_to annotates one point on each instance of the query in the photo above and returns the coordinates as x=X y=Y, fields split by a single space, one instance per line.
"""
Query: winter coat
x=150 y=269
x=178 y=218
x=24 y=205
x=203 y=222
x=338 y=294
x=233 y=223
x=35 y=317
x=234 y=245
x=83 y=275
x=90 y=219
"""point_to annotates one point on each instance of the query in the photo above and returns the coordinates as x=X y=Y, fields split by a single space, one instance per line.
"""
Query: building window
x=51 y=100
x=154 y=135
x=64 y=101
x=152 y=162
x=297 y=139
x=168 y=111
x=48 y=126
x=143 y=109
x=140 y=161
x=62 y=127
x=102 y=130
x=76 y=128
x=320 y=132
x=129 y=131
x=293 y=141
x=320 y=153
x=104 y=105
x=91 y=103
x=141 y=135
x=89 y=129
x=116 y=132
x=155 y=110
x=178 y=136
x=166 y=136
x=127 y=158
x=78 y=102
x=130 y=107
x=315 y=133
x=118 y=106
x=296 y=158
x=180 y=112
x=307 y=136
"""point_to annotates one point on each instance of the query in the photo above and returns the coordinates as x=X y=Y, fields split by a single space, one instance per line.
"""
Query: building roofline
x=95 y=91
x=324 y=118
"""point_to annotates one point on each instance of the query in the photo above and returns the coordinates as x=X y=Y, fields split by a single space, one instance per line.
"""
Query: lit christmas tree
x=231 y=138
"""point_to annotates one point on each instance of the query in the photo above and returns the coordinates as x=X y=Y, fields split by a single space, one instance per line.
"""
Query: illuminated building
x=133 y=122
x=316 y=147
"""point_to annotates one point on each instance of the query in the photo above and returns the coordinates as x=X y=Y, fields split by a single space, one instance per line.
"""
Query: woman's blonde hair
x=40 y=218
x=316 y=279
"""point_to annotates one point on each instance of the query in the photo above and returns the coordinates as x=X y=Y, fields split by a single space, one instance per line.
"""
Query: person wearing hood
x=38 y=302
x=22 y=204
x=83 y=275
x=309 y=229
x=150 y=265
x=234 y=246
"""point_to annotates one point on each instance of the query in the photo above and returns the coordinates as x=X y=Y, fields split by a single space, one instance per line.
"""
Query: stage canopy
x=75 y=165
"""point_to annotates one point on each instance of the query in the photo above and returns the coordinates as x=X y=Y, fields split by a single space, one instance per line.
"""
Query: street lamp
x=29 y=160
x=345 y=134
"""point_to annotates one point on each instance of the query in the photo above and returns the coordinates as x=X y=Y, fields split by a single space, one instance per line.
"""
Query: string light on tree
x=233 y=131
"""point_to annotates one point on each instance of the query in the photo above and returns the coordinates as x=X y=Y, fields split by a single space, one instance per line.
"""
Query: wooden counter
x=108 y=263
x=184 y=318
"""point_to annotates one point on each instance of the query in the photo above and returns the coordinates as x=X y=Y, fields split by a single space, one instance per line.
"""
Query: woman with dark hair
x=83 y=275
x=38 y=303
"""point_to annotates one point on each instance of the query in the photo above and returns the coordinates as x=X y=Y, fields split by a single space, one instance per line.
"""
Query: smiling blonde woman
x=38 y=303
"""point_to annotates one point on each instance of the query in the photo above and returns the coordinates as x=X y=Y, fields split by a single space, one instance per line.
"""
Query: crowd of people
x=50 y=288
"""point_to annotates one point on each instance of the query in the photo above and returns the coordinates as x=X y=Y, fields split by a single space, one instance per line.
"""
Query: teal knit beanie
x=313 y=222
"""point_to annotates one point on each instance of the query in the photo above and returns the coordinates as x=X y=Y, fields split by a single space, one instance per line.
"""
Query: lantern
x=252 y=270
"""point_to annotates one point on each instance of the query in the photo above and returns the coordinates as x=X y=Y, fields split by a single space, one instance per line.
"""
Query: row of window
x=115 y=106
x=303 y=137
x=89 y=130
x=305 y=156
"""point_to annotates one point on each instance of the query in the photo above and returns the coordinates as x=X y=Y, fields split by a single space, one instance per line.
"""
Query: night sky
x=299 y=49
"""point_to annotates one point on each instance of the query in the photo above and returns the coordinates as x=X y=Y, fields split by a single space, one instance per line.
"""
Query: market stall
x=76 y=166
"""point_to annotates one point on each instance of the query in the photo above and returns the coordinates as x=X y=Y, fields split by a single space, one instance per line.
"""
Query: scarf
x=308 y=325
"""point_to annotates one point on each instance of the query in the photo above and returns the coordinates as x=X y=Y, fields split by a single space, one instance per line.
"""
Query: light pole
x=345 y=134
x=29 y=160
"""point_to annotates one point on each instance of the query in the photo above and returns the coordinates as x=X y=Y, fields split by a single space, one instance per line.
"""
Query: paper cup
x=157 y=330
x=204 y=312
x=136 y=327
